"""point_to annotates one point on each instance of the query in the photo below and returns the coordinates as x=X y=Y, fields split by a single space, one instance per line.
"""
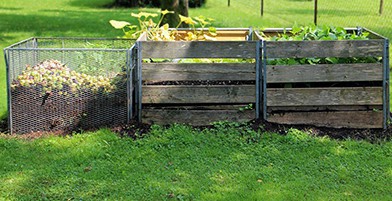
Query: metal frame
x=139 y=78
x=258 y=78
x=9 y=108
x=129 y=82
x=264 y=78
x=386 y=109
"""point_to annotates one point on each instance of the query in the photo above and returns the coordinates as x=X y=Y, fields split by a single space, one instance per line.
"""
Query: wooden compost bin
x=198 y=90
x=353 y=95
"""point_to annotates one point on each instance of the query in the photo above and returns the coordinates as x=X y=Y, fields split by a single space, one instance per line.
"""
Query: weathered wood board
x=333 y=48
x=226 y=35
x=188 y=94
x=197 y=117
x=198 y=71
x=324 y=96
x=336 y=119
x=321 y=108
x=325 y=73
x=198 y=49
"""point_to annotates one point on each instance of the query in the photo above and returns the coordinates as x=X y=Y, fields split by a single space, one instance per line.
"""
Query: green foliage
x=312 y=32
x=156 y=32
x=247 y=107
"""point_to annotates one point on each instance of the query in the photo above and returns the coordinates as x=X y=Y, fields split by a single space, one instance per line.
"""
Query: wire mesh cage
x=67 y=84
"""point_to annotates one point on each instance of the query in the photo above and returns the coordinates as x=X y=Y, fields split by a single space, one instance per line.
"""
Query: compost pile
x=51 y=97
x=53 y=75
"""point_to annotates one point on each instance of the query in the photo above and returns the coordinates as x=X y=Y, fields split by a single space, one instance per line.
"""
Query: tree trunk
x=127 y=3
x=381 y=7
x=179 y=7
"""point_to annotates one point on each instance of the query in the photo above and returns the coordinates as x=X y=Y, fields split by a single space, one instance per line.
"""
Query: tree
x=381 y=7
x=137 y=3
x=179 y=7
x=127 y=3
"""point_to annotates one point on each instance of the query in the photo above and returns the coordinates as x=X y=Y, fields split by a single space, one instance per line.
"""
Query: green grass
x=88 y=18
x=226 y=163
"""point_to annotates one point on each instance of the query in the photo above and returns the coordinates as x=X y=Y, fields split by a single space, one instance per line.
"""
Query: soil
x=137 y=130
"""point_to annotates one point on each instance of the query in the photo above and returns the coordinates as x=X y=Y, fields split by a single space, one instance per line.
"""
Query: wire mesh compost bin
x=64 y=84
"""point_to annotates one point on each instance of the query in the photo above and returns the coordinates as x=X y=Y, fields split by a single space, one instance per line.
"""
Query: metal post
x=262 y=8
x=129 y=83
x=6 y=58
x=139 y=82
x=258 y=89
x=381 y=7
x=250 y=34
x=264 y=78
x=35 y=52
x=386 y=84
x=315 y=12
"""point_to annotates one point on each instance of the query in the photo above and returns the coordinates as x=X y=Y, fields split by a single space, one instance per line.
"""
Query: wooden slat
x=324 y=96
x=347 y=119
x=195 y=117
x=197 y=107
x=225 y=35
x=324 y=108
x=325 y=73
x=198 y=49
x=200 y=71
x=165 y=94
x=343 y=48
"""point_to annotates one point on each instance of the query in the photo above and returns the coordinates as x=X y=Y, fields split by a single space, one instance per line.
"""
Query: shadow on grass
x=92 y=4
x=328 y=12
x=9 y=8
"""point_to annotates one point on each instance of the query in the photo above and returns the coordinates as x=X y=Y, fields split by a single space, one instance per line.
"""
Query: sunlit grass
x=187 y=164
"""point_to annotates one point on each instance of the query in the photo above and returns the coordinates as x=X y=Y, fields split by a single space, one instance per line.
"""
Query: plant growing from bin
x=313 y=32
x=156 y=32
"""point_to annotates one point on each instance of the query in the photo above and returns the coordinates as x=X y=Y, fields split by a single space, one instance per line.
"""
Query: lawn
x=222 y=163
x=181 y=163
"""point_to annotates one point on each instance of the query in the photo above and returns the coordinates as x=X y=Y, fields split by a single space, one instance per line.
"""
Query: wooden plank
x=194 y=117
x=197 y=107
x=225 y=35
x=342 y=119
x=325 y=73
x=188 y=94
x=198 y=71
x=324 y=108
x=341 y=48
x=198 y=49
x=324 y=96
